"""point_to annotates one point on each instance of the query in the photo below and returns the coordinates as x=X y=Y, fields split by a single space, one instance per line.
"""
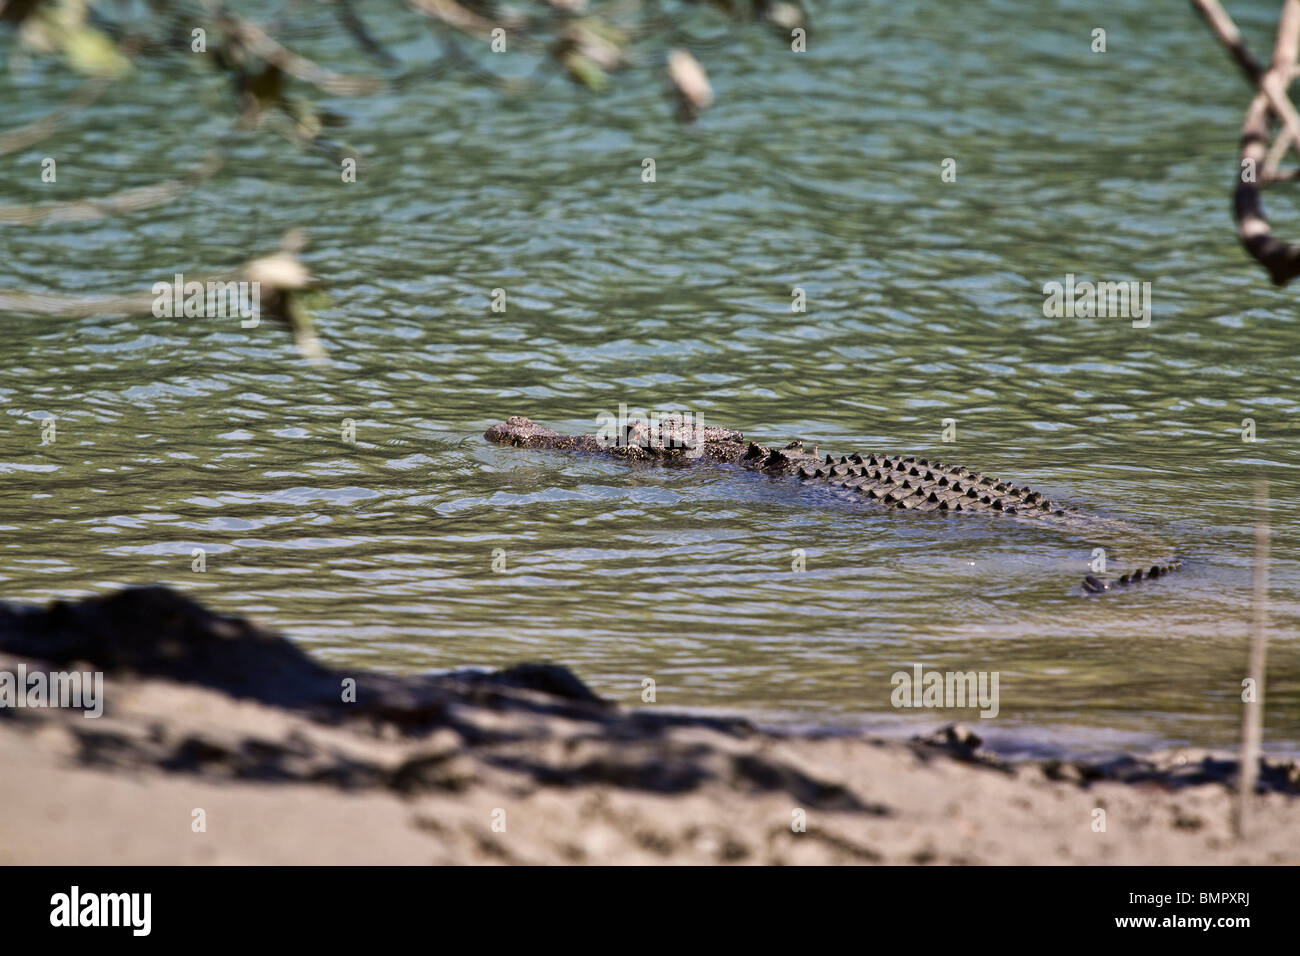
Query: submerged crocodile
x=907 y=483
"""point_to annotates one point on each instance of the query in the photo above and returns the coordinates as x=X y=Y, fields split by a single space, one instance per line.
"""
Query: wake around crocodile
x=891 y=481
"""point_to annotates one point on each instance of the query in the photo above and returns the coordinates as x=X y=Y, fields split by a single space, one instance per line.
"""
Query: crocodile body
x=890 y=481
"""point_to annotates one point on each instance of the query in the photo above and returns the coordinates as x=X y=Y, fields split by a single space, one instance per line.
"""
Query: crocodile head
x=518 y=430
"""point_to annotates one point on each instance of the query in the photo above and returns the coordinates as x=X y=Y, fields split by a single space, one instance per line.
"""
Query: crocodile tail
x=1094 y=585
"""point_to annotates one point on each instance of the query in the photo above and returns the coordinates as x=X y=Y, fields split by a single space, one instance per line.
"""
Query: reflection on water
x=819 y=171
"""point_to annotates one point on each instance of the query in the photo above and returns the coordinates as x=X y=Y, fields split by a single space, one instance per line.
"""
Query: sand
x=220 y=743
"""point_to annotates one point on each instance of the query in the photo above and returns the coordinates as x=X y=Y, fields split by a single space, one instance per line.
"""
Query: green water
x=818 y=170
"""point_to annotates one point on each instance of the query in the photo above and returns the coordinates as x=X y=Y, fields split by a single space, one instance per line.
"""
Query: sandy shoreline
x=210 y=719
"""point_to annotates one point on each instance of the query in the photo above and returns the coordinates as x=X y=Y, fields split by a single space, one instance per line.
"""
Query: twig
x=352 y=22
x=1252 y=718
x=299 y=67
x=1221 y=24
x=454 y=15
x=1280 y=259
x=34 y=132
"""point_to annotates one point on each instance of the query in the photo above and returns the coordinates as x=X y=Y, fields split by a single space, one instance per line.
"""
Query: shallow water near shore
x=818 y=171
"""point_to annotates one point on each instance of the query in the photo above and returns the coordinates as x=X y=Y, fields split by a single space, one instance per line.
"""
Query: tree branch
x=1258 y=161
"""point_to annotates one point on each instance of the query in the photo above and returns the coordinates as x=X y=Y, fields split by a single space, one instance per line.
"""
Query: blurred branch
x=585 y=39
x=259 y=43
x=455 y=16
x=588 y=41
x=1259 y=162
x=281 y=276
x=46 y=126
x=1252 y=717
x=118 y=204
x=350 y=21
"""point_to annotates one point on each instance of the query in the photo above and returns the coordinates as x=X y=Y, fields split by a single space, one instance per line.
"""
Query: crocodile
x=907 y=483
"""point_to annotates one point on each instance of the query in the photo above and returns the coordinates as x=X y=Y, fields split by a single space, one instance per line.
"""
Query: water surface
x=819 y=171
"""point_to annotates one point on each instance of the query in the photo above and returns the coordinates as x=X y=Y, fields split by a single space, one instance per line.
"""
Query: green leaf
x=87 y=50
x=585 y=71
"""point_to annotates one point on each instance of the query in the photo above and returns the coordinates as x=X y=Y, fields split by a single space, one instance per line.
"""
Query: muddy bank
x=209 y=720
